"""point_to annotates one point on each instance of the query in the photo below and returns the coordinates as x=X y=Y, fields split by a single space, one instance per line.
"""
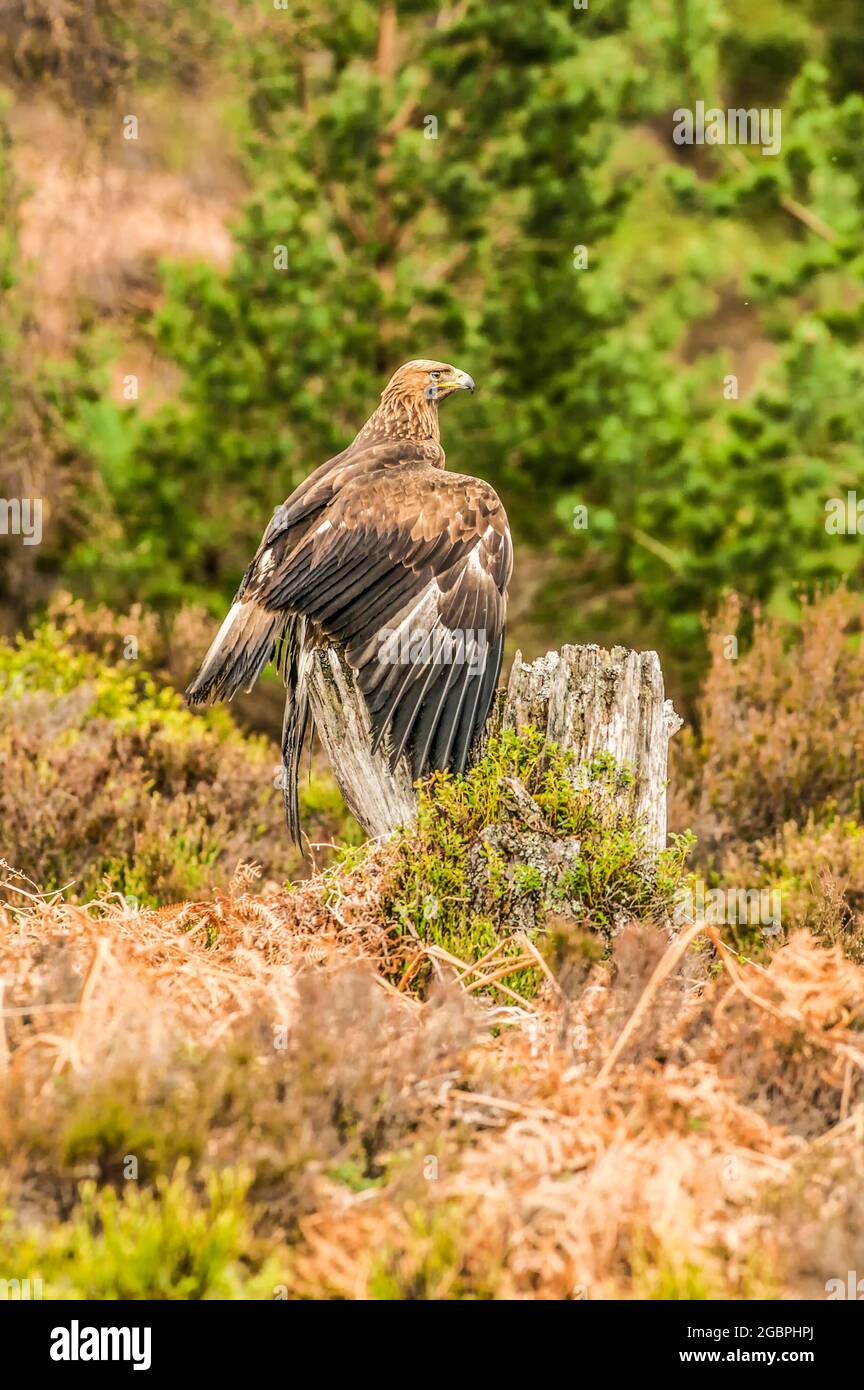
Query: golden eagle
x=401 y=564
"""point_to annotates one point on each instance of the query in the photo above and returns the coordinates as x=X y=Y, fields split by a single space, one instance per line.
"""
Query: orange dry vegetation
x=671 y=1123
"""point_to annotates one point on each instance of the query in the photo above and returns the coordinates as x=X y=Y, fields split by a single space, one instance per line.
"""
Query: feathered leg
x=294 y=655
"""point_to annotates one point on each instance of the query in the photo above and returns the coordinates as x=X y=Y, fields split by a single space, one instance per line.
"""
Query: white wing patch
x=475 y=563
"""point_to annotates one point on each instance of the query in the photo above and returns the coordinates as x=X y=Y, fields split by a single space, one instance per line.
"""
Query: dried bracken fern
x=630 y=1139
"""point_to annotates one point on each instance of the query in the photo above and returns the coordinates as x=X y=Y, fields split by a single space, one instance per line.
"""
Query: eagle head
x=425 y=379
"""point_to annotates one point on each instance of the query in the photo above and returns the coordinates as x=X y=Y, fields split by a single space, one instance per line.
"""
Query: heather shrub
x=818 y=1207
x=780 y=725
x=772 y=778
x=108 y=782
x=174 y=1241
x=818 y=870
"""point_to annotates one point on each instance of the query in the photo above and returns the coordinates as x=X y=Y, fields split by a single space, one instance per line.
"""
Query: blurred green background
x=195 y=317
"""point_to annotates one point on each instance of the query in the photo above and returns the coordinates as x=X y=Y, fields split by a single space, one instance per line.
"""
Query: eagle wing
x=407 y=571
x=255 y=625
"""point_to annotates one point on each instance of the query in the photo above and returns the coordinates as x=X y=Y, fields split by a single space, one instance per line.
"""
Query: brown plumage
x=401 y=564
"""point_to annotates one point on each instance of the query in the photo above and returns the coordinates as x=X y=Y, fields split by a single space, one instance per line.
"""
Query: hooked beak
x=464 y=382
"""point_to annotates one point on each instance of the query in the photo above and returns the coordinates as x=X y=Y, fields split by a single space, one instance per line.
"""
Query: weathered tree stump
x=588 y=700
x=584 y=698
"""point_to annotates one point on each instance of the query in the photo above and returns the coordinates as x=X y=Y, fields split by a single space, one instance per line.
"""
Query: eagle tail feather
x=238 y=653
x=476 y=708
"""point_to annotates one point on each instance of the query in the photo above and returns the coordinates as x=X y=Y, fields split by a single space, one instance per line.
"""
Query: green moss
x=453 y=887
x=528 y=878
